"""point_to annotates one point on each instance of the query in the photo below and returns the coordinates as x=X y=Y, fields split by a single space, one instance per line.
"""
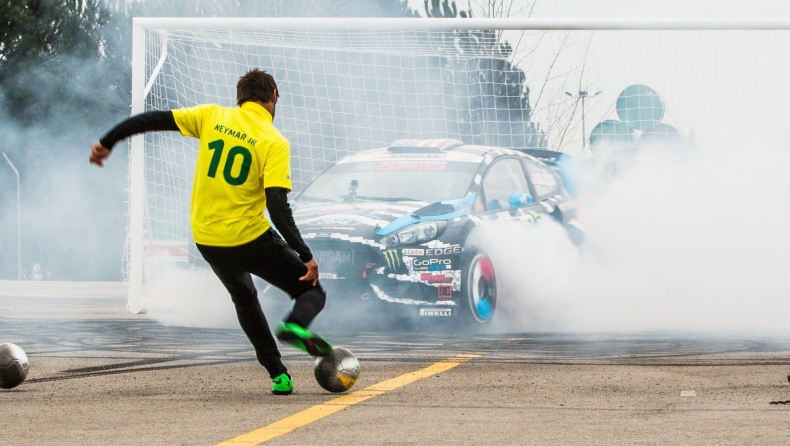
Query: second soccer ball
x=13 y=366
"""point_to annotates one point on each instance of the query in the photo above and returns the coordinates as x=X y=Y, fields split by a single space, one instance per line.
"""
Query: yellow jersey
x=241 y=153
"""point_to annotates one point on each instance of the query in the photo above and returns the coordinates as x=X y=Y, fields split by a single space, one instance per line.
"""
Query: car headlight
x=414 y=234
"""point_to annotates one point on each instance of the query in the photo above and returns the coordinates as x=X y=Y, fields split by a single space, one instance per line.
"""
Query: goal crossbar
x=405 y=24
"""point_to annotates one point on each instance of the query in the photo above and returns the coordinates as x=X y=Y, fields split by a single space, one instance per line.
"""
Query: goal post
x=351 y=84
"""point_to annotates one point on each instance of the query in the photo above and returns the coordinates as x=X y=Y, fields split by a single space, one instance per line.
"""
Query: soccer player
x=243 y=167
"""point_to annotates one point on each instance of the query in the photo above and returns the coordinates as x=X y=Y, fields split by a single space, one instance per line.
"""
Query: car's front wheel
x=479 y=287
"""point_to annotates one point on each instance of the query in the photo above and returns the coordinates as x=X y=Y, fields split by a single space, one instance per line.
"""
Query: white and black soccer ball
x=13 y=366
x=337 y=373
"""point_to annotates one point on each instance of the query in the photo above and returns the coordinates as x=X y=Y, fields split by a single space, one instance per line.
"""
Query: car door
x=544 y=181
x=548 y=191
x=504 y=178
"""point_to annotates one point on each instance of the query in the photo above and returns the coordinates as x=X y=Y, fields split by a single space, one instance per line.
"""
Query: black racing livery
x=393 y=224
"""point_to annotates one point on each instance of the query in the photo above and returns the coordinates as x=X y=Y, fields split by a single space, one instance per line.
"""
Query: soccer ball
x=337 y=373
x=13 y=366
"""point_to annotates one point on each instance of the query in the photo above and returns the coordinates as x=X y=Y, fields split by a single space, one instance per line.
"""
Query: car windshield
x=402 y=180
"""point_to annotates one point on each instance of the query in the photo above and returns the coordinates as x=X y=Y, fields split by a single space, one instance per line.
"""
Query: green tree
x=443 y=9
x=47 y=57
x=499 y=96
x=62 y=60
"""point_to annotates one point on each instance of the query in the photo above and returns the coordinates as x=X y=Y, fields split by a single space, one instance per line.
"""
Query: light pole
x=18 y=219
x=582 y=95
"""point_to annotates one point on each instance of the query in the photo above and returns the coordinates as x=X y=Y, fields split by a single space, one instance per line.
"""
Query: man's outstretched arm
x=144 y=122
x=283 y=219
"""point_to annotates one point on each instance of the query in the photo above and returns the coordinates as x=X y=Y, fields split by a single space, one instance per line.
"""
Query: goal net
x=593 y=89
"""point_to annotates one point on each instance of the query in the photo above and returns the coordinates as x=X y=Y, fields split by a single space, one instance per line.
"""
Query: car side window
x=542 y=178
x=503 y=178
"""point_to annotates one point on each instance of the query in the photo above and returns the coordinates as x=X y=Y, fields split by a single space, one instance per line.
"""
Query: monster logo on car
x=392 y=258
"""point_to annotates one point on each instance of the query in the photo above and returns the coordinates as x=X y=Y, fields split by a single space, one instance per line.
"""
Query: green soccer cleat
x=304 y=339
x=282 y=385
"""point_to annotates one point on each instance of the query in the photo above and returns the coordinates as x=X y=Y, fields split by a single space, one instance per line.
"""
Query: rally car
x=392 y=225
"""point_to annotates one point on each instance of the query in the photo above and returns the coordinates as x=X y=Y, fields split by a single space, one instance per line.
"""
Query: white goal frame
x=141 y=85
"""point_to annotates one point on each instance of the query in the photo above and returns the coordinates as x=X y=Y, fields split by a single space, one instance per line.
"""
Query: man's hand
x=312 y=272
x=99 y=153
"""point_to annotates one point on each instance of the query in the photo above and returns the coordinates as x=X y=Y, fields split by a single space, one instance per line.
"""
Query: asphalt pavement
x=99 y=375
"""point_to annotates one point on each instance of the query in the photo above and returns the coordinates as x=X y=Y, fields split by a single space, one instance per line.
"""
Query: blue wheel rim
x=482 y=288
x=484 y=308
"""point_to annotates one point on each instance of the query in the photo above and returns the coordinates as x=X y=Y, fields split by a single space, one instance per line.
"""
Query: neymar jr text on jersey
x=234 y=133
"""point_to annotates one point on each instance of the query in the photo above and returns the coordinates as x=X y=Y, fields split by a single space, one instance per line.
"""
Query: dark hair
x=256 y=85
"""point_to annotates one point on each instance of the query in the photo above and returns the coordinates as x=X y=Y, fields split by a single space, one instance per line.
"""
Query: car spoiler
x=559 y=162
x=544 y=155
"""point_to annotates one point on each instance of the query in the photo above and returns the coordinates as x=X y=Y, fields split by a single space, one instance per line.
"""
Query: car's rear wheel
x=479 y=287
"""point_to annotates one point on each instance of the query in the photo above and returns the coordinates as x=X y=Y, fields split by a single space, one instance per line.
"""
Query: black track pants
x=269 y=258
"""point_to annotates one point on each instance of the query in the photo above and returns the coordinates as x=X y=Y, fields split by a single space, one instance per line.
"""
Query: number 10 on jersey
x=227 y=171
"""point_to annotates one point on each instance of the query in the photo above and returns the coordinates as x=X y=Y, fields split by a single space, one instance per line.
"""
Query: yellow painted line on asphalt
x=319 y=411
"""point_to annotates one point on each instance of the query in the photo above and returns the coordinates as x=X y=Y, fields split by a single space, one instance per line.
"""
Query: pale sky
x=662 y=8
x=645 y=8
x=710 y=81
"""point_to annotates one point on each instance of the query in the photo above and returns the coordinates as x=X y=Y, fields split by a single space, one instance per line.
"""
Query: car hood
x=363 y=218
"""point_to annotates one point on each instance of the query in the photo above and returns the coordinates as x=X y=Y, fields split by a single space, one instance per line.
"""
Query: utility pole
x=583 y=95
x=18 y=219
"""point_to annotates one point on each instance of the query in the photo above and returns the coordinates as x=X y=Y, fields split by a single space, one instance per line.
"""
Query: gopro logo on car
x=429 y=262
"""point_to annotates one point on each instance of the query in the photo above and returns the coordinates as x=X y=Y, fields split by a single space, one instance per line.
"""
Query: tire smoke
x=191 y=298
x=697 y=243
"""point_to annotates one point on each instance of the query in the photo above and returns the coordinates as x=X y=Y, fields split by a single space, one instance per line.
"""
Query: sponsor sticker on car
x=392 y=258
x=436 y=311
x=432 y=264
x=430 y=252
x=414 y=165
x=436 y=278
x=450 y=250
x=334 y=257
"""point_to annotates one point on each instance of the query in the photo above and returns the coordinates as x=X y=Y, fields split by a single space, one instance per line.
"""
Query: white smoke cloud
x=191 y=298
x=697 y=244
x=693 y=244
x=196 y=298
